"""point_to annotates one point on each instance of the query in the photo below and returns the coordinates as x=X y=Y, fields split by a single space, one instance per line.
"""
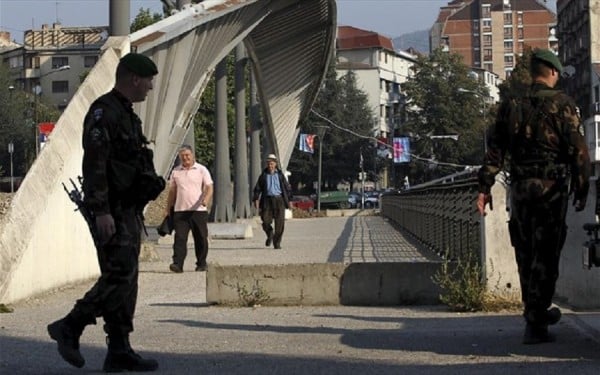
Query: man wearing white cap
x=271 y=198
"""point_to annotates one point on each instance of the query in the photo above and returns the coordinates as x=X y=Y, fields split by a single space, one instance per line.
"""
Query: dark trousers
x=197 y=222
x=114 y=295
x=538 y=232
x=273 y=209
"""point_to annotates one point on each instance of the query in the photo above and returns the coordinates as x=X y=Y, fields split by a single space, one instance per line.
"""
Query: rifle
x=76 y=196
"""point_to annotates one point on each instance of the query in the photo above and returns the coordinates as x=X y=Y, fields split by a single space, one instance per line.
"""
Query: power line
x=426 y=160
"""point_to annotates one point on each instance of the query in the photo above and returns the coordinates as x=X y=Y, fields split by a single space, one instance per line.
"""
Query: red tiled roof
x=353 y=38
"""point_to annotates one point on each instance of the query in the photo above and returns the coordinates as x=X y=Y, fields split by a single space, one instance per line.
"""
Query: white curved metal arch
x=44 y=243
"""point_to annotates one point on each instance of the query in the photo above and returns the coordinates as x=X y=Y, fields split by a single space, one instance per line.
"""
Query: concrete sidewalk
x=174 y=324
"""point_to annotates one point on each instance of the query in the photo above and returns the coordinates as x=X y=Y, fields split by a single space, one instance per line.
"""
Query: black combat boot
x=537 y=334
x=553 y=315
x=121 y=357
x=67 y=333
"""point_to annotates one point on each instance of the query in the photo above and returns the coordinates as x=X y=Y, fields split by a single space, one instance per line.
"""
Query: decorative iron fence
x=443 y=217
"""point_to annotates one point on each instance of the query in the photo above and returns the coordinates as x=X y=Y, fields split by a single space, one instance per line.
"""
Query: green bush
x=463 y=288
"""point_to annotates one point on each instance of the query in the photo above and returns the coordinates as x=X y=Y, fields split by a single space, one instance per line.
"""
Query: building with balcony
x=579 y=48
x=380 y=72
x=51 y=61
x=490 y=33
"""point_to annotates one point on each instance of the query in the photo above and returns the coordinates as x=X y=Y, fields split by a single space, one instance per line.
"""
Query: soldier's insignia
x=98 y=114
x=95 y=135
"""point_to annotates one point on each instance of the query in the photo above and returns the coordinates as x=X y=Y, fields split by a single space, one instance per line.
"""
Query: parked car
x=355 y=199
x=371 y=199
x=302 y=202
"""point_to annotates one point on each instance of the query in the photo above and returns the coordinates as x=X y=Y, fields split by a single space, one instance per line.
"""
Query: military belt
x=543 y=172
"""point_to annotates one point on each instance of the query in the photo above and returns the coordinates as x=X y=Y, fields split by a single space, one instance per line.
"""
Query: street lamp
x=322 y=130
x=484 y=115
x=37 y=92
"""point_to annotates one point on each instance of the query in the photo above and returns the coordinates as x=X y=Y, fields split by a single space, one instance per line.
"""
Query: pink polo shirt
x=189 y=183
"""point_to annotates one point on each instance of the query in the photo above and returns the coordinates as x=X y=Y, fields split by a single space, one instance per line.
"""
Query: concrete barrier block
x=390 y=284
x=288 y=284
x=371 y=284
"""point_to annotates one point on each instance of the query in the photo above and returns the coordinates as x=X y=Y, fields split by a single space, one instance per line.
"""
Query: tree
x=520 y=78
x=144 y=18
x=443 y=99
x=340 y=101
x=17 y=123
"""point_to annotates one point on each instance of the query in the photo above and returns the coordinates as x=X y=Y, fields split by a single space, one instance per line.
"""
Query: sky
x=391 y=18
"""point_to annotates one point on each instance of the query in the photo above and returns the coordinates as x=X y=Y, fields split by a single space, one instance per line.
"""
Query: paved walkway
x=175 y=326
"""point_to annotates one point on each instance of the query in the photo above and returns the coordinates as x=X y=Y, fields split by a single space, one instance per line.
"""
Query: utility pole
x=321 y=134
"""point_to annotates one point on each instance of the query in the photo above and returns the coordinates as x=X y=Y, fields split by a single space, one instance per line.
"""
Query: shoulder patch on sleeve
x=98 y=112
x=96 y=135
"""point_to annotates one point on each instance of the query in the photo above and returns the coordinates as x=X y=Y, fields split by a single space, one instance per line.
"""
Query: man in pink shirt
x=190 y=191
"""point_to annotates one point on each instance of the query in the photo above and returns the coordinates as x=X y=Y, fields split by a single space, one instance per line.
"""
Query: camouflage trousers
x=538 y=231
x=114 y=295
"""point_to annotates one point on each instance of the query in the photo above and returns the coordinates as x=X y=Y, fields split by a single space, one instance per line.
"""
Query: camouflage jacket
x=112 y=144
x=542 y=136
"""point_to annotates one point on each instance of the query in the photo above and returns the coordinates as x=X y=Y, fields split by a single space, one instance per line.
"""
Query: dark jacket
x=112 y=145
x=260 y=189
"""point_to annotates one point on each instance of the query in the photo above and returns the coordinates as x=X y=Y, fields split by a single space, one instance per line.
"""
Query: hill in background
x=419 y=40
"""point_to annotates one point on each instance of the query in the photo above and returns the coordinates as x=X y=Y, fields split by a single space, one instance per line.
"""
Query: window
x=487 y=54
x=520 y=18
x=57 y=62
x=486 y=11
x=508 y=46
x=475 y=25
x=520 y=33
x=508 y=18
x=489 y=67
x=89 y=61
x=487 y=25
x=60 y=86
x=487 y=40
x=508 y=33
x=508 y=60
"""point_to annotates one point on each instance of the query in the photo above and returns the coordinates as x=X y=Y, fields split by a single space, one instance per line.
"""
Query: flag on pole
x=401 y=150
x=307 y=143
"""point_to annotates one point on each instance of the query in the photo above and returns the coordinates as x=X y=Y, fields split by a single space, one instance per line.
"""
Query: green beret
x=139 y=64
x=548 y=57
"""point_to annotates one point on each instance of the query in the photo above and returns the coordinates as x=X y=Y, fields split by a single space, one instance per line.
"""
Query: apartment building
x=489 y=34
x=380 y=72
x=51 y=62
x=579 y=48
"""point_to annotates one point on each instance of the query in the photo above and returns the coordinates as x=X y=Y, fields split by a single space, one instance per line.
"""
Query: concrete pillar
x=255 y=125
x=119 y=17
x=222 y=209
x=242 y=201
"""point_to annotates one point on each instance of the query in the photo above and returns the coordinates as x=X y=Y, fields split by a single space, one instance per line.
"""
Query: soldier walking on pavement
x=271 y=198
x=542 y=132
x=118 y=181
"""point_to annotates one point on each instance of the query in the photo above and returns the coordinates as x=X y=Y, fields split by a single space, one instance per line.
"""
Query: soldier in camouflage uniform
x=115 y=166
x=542 y=133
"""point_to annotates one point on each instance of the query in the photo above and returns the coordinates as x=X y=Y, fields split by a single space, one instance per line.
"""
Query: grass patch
x=464 y=288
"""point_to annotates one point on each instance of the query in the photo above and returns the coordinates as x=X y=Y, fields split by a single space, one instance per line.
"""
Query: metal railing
x=443 y=217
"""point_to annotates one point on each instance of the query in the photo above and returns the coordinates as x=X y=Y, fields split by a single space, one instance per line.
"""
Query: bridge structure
x=44 y=244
